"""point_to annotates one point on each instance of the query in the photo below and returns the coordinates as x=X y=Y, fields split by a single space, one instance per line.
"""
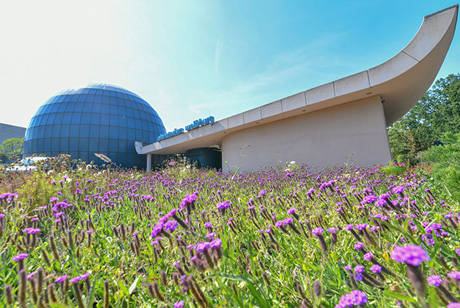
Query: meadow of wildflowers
x=182 y=237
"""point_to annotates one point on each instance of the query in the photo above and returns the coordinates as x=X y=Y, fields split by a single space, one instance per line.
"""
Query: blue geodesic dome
x=100 y=118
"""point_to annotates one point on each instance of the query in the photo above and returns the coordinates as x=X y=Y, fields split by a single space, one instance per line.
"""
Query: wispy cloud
x=257 y=89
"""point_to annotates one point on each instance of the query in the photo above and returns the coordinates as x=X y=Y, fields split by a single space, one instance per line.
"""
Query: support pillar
x=149 y=162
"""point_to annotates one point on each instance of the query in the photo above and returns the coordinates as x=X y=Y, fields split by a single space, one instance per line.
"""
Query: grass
x=260 y=251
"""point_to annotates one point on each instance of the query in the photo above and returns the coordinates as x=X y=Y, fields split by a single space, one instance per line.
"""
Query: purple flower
x=457 y=251
x=61 y=279
x=355 y=297
x=349 y=227
x=376 y=268
x=20 y=256
x=176 y=264
x=410 y=254
x=291 y=211
x=171 y=225
x=434 y=280
x=347 y=267
x=188 y=200
x=454 y=275
x=361 y=227
x=453 y=305
x=359 y=245
x=368 y=256
x=85 y=276
x=224 y=205
x=75 y=280
x=210 y=236
x=279 y=224
x=31 y=275
x=398 y=189
x=179 y=304
x=288 y=220
x=31 y=230
x=332 y=230
x=317 y=231
x=157 y=229
x=208 y=225
x=216 y=243
x=359 y=269
x=370 y=199
x=200 y=247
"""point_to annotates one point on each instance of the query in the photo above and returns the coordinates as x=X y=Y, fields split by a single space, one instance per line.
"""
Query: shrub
x=446 y=160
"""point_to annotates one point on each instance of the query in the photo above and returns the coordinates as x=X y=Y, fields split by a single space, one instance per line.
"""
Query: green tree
x=436 y=113
x=12 y=147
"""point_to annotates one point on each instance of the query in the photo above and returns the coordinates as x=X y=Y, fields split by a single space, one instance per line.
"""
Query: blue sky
x=192 y=59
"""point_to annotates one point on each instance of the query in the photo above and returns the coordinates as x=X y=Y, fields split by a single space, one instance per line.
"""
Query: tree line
x=437 y=113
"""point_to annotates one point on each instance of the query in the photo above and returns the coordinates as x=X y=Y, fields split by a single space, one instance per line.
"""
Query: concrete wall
x=354 y=132
x=10 y=131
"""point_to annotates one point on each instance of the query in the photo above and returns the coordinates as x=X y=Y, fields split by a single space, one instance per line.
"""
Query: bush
x=394 y=168
x=446 y=160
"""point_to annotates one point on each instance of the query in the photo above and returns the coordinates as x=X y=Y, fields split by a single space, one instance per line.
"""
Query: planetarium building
x=99 y=118
x=341 y=121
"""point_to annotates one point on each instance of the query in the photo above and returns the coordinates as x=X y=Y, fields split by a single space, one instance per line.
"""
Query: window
x=94 y=131
x=70 y=107
x=105 y=108
x=122 y=133
x=55 y=131
x=76 y=117
x=48 y=130
x=85 y=118
x=65 y=129
x=58 y=118
x=113 y=120
x=93 y=145
x=103 y=145
x=97 y=99
x=95 y=119
x=55 y=145
x=105 y=119
x=84 y=131
x=62 y=107
x=104 y=131
x=67 y=117
x=114 y=109
x=113 y=145
x=55 y=107
x=96 y=108
x=74 y=131
x=83 y=144
x=73 y=144
x=106 y=99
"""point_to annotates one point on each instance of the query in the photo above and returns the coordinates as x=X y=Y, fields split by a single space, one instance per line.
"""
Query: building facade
x=100 y=119
x=11 y=131
x=343 y=121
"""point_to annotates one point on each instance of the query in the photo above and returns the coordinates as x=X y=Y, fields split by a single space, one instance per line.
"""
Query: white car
x=26 y=164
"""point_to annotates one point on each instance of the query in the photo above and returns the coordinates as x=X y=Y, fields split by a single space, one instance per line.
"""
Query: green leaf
x=401 y=296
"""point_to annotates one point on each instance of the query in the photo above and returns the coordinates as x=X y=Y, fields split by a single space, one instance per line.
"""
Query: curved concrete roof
x=400 y=82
